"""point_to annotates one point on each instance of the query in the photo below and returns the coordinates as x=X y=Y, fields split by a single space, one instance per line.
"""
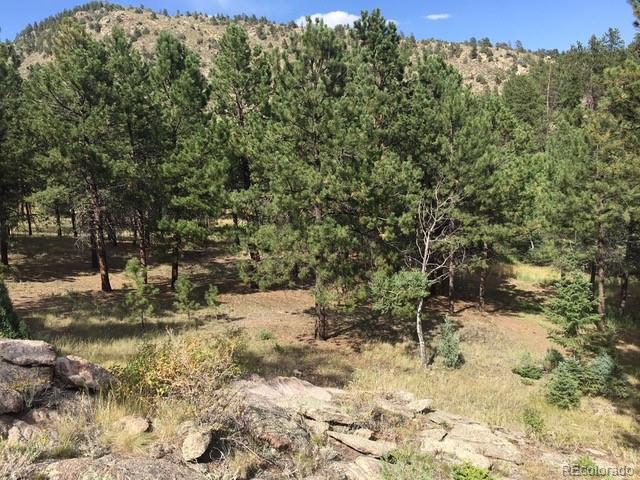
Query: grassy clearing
x=534 y=274
x=485 y=389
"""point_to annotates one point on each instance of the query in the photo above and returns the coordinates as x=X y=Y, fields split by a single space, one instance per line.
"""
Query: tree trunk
x=176 y=261
x=236 y=228
x=424 y=357
x=482 y=291
x=27 y=207
x=101 y=250
x=58 y=221
x=94 y=247
x=73 y=223
x=321 y=314
x=451 y=274
x=111 y=232
x=592 y=277
x=4 y=243
x=142 y=246
x=624 y=291
x=600 y=283
x=321 y=321
x=134 y=230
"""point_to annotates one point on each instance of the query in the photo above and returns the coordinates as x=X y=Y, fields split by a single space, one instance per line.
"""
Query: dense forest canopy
x=344 y=160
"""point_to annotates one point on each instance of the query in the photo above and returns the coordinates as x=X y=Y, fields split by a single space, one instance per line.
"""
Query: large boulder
x=27 y=352
x=270 y=424
x=20 y=385
x=133 y=425
x=196 y=444
x=81 y=373
x=10 y=400
x=290 y=393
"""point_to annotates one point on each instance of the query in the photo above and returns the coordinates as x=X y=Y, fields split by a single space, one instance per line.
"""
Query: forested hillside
x=352 y=198
x=484 y=66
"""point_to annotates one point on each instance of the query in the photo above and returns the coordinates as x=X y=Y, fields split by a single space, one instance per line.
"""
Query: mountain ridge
x=483 y=66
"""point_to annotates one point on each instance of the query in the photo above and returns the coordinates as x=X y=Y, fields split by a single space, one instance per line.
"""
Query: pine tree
x=139 y=118
x=306 y=233
x=72 y=101
x=240 y=81
x=12 y=159
x=192 y=173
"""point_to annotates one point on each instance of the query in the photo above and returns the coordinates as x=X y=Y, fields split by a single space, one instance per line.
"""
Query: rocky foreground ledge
x=348 y=433
x=30 y=369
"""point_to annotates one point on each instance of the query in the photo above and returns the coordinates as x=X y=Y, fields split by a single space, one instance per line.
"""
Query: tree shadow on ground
x=353 y=330
x=502 y=295
x=322 y=367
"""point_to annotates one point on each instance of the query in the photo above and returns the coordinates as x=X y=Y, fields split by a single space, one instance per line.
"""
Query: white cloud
x=438 y=16
x=331 y=19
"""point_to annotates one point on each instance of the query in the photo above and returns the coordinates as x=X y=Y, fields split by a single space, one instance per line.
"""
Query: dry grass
x=485 y=389
x=534 y=274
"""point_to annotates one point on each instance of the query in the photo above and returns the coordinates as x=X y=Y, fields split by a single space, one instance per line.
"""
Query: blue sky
x=538 y=24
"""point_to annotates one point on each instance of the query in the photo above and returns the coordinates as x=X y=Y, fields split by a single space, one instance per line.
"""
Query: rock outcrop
x=29 y=368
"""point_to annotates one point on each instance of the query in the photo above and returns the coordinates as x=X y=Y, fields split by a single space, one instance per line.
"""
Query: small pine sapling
x=184 y=293
x=138 y=299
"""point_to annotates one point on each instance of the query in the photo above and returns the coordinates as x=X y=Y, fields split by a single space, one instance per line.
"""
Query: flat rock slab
x=482 y=439
x=375 y=448
x=27 y=352
x=328 y=415
x=363 y=468
x=468 y=441
x=117 y=467
x=288 y=392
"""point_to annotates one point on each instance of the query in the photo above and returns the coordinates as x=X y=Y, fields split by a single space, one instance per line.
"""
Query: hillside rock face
x=29 y=368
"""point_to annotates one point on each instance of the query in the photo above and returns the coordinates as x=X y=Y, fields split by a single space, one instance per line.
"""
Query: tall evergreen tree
x=72 y=100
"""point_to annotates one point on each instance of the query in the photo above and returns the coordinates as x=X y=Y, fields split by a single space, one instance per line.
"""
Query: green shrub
x=187 y=366
x=265 y=335
x=527 y=368
x=399 y=293
x=603 y=377
x=466 y=471
x=10 y=325
x=533 y=421
x=449 y=348
x=407 y=464
x=563 y=390
x=551 y=359
x=573 y=306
